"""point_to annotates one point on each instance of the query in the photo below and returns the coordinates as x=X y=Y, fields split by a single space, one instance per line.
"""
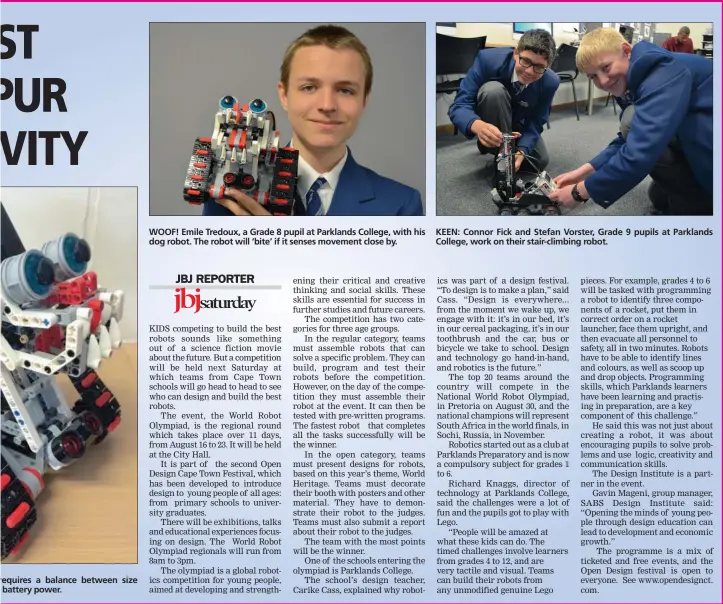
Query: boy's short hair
x=331 y=36
x=598 y=41
x=539 y=41
x=684 y=30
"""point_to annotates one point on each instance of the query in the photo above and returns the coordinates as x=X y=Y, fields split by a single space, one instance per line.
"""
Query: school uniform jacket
x=673 y=96
x=530 y=108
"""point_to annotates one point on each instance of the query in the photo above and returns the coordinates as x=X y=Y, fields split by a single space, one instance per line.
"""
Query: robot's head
x=31 y=275
x=255 y=106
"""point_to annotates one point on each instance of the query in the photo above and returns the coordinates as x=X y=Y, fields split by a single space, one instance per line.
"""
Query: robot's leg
x=96 y=404
x=18 y=510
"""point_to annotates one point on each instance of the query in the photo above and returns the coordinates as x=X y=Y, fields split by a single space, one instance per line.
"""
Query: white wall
x=105 y=217
x=501 y=34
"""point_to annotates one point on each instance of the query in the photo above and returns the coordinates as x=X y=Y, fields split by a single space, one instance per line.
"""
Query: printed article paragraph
x=436 y=425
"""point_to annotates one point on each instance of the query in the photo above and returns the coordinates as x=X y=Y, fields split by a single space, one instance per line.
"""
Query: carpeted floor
x=463 y=175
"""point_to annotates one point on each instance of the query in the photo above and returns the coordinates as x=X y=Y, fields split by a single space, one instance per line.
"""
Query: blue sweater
x=673 y=96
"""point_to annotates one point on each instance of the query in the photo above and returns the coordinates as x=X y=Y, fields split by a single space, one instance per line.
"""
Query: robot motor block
x=514 y=197
x=55 y=319
x=243 y=153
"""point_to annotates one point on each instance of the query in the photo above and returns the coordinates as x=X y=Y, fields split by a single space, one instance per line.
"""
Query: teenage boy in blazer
x=666 y=127
x=509 y=90
x=326 y=79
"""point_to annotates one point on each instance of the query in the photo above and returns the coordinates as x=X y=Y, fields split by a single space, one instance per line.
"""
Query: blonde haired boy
x=666 y=127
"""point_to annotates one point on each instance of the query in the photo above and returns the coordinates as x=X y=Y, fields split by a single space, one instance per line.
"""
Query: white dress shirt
x=516 y=79
x=307 y=176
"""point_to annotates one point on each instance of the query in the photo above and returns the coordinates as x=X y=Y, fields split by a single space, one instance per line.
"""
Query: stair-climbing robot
x=515 y=197
x=55 y=319
x=243 y=153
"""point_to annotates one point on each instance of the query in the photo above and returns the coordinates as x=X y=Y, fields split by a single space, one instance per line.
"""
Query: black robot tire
x=98 y=401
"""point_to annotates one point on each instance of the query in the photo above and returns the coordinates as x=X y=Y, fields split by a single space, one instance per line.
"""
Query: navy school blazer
x=673 y=97
x=530 y=108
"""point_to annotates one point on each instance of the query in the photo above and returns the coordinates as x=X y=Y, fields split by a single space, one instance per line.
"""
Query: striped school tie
x=313 y=200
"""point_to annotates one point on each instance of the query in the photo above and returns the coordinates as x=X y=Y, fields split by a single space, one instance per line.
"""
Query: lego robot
x=515 y=197
x=55 y=319
x=243 y=153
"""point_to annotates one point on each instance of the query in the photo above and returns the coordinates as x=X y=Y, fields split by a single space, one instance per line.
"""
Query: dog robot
x=243 y=153
x=55 y=319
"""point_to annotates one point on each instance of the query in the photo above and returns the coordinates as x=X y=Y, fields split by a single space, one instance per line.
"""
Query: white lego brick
x=115 y=333
x=119 y=299
x=94 y=354
x=8 y=355
x=104 y=342
x=15 y=402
